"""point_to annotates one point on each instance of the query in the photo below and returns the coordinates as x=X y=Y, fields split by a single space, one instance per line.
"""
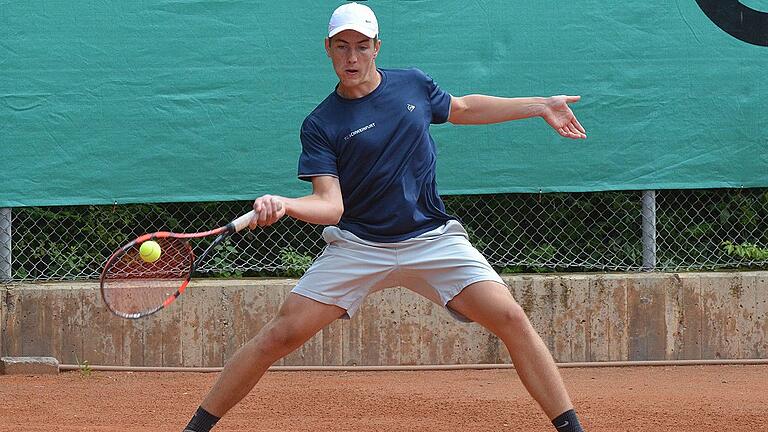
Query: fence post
x=5 y=244
x=649 y=230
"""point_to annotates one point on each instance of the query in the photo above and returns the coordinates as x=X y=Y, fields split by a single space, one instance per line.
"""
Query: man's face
x=353 y=55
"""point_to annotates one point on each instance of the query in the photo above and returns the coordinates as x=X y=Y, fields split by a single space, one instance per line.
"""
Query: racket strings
x=133 y=286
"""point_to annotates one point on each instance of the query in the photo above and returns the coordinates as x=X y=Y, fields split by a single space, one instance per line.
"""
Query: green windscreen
x=201 y=100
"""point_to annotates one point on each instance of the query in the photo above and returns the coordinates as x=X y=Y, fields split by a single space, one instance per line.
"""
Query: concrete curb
x=29 y=366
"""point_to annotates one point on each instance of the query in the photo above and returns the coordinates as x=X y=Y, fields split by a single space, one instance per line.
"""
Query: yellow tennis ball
x=150 y=251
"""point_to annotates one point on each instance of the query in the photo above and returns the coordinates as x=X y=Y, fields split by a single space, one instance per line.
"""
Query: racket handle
x=243 y=220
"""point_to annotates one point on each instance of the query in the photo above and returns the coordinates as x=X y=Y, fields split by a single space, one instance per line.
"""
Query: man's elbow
x=334 y=216
x=459 y=109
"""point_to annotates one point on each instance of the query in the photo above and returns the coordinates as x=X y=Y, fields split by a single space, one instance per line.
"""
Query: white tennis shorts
x=437 y=265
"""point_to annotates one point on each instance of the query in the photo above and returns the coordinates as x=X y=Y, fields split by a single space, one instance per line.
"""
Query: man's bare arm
x=482 y=109
x=323 y=207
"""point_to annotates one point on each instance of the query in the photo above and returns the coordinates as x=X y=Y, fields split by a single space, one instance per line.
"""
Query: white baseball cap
x=353 y=16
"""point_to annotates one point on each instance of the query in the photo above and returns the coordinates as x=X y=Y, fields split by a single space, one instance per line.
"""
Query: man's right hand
x=269 y=209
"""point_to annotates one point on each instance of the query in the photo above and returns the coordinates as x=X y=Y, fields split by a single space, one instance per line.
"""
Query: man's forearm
x=313 y=209
x=482 y=109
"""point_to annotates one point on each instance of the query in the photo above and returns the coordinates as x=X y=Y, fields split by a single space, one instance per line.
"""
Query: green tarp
x=201 y=100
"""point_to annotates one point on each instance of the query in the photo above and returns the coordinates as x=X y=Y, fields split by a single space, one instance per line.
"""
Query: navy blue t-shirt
x=380 y=149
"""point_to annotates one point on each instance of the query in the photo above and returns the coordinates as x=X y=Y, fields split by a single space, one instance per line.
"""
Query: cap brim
x=364 y=31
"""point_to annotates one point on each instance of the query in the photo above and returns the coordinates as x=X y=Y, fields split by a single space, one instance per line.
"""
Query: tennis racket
x=133 y=288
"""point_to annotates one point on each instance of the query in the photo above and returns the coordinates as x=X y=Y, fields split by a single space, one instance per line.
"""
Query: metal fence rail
x=615 y=231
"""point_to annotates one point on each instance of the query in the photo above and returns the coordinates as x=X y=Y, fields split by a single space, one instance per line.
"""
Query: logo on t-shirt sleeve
x=410 y=107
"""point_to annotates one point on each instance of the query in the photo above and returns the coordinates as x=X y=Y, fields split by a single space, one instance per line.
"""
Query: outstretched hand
x=559 y=115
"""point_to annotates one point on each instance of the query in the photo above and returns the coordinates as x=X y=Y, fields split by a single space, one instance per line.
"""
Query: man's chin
x=350 y=83
x=350 y=78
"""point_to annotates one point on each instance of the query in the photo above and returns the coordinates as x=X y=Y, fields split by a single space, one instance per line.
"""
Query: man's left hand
x=559 y=115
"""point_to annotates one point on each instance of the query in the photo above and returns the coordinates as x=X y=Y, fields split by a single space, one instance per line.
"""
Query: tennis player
x=368 y=152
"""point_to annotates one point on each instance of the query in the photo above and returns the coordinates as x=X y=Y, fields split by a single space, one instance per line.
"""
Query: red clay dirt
x=679 y=399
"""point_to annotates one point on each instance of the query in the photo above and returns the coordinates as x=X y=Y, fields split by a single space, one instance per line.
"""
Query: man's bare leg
x=297 y=321
x=491 y=305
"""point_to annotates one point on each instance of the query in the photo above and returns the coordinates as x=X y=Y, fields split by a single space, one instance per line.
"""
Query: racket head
x=133 y=288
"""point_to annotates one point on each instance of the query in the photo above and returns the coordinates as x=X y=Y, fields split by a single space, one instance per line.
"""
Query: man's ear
x=328 y=47
x=376 y=48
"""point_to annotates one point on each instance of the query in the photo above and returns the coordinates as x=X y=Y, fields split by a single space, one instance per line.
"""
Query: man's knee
x=280 y=337
x=511 y=320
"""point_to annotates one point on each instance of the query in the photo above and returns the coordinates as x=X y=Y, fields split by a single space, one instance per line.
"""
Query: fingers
x=257 y=210
x=572 y=99
x=264 y=214
x=269 y=209
x=580 y=127
x=572 y=130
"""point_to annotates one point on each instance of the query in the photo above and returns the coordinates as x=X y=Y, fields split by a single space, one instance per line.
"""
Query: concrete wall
x=582 y=317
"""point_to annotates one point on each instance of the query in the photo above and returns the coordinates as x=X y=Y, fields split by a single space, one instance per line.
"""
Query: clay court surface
x=684 y=398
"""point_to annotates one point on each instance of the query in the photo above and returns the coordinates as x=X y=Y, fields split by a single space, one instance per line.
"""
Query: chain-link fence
x=616 y=231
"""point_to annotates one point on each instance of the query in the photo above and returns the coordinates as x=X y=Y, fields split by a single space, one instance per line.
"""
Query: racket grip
x=243 y=220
